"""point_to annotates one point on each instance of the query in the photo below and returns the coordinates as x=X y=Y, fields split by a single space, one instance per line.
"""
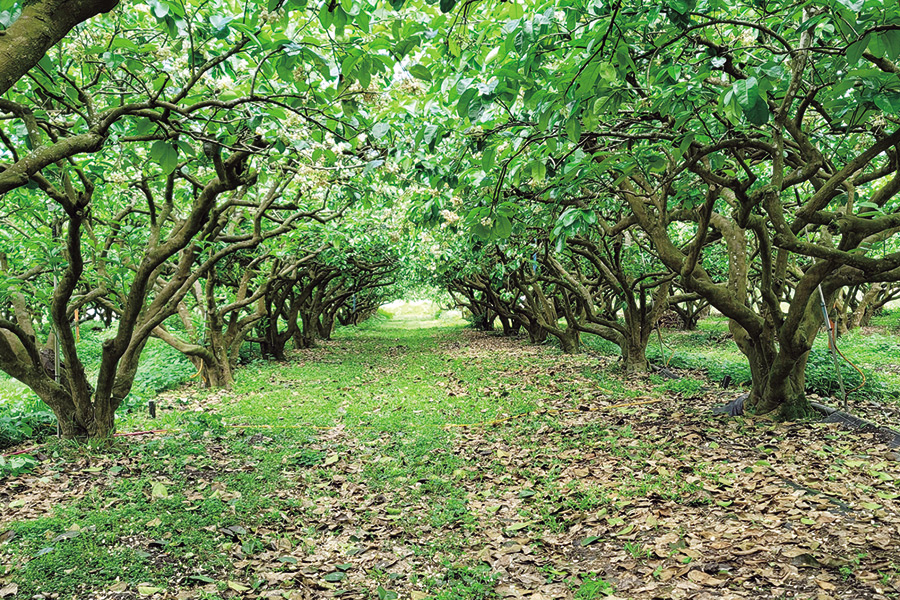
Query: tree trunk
x=80 y=418
x=569 y=340
x=536 y=333
x=325 y=325
x=510 y=325
x=484 y=321
x=863 y=312
x=218 y=373
x=690 y=313
x=275 y=343
x=778 y=377
x=217 y=364
x=39 y=27
x=634 y=353
x=304 y=336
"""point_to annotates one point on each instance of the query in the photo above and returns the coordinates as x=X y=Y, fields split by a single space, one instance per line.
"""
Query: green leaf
x=686 y=142
x=656 y=163
x=462 y=106
x=326 y=17
x=589 y=540
x=856 y=49
x=159 y=491
x=420 y=72
x=502 y=228
x=149 y=590
x=384 y=594
x=487 y=158
x=758 y=114
x=746 y=91
x=876 y=46
x=890 y=40
x=160 y=10
x=372 y=165
x=379 y=130
x=544 y=119
x=219 y=22
x=573 y=130
x=480 y=231
x=336 y=576
x=165 y=154
x=889 y=102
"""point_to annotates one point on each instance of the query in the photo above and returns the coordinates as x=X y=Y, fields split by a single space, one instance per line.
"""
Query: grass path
x=345 y=473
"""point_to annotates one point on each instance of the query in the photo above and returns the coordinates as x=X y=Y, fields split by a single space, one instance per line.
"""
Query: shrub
x=22 y=415
x=822 y=379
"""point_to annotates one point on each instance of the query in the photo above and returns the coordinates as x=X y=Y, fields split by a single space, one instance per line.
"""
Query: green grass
x=383 y=384
x=364 y=378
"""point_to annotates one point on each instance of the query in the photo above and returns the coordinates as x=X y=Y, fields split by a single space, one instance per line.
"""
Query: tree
x=238 y=273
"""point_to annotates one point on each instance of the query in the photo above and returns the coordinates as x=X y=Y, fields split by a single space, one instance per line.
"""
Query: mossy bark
x=39 y=27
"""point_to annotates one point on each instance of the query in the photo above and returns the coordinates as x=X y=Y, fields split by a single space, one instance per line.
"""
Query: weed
x=22 y=415
x=203 y=424
x=460 y=581
x=593 y=587
x=450 y=512
x=686 y=387
x=16 y=465
x=638 y=550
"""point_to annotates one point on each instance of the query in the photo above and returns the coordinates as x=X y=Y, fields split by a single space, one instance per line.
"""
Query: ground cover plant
x=411 y=459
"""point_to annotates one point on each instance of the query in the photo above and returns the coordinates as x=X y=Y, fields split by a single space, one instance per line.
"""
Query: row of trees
x=178 y=171
x=747 y=154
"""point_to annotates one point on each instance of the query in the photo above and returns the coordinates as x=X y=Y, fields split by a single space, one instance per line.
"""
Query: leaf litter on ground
x=658 y=500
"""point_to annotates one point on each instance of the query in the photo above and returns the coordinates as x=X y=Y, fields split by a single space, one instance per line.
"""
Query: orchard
x=215 y=209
